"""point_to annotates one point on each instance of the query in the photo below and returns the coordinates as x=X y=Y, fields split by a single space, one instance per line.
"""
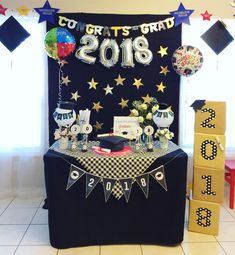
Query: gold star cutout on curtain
x=97 y=106
x=66 y=80
x=147 y=99
x=75 y=96
x=24 y=11
x=138 y=83
x=164 y=70
x=98 y=126
x=161 y=87
x=108 y=90
x=119 y=80
x=92 y=84
x=163 y=51
x=123 y=103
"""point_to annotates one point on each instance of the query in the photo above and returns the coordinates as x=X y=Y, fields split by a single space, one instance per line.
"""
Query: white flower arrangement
x=144 y=111
x=62 y=133
x=165 y=132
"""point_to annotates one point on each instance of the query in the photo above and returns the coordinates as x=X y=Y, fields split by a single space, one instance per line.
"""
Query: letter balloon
x=143 y=55
x=90 y=44
x=109 y=44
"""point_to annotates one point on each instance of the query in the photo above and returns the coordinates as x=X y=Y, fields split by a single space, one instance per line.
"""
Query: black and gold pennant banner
x=108 y=183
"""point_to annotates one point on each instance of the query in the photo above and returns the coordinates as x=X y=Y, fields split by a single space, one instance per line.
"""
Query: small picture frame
x=125 y=126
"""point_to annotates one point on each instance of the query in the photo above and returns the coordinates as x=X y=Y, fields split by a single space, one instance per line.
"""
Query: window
x=23 y=86
x=215 y=81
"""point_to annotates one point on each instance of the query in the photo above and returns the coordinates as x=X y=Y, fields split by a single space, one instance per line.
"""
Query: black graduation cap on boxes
x=217 y=37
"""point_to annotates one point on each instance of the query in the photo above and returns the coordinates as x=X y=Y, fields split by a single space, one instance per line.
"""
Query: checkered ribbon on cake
x=117 y=167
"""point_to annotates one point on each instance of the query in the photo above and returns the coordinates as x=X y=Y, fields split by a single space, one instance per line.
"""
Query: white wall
x=219 y=8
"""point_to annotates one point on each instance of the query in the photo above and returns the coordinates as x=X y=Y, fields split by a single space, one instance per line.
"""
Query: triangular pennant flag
x=126 y=187
x=91 y=182
x=108 y=185
x=159 y=175
x=74 y=174
x=143 y=181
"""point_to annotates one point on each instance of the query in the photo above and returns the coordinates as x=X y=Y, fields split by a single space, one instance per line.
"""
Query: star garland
x=46 y=13
x=23 y=11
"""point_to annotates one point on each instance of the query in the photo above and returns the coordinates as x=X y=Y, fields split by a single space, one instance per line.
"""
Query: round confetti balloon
x=187 y=60
x=59 y=43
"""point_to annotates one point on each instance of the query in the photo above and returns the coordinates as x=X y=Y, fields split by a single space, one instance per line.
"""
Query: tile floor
x=24 y=231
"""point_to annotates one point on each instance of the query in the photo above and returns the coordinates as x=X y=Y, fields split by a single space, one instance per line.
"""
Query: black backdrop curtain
x=80 y=73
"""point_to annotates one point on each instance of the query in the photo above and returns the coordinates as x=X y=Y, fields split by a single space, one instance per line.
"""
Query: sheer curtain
x=214 y=82
x=23 y=108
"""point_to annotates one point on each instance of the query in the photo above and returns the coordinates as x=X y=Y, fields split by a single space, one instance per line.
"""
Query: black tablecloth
x=75 y=220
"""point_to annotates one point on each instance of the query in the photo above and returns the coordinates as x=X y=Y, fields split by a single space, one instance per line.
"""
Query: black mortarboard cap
x=12 y=34
x=217 y=37
x=198 y=104
x=66 y=105
x=114 y=143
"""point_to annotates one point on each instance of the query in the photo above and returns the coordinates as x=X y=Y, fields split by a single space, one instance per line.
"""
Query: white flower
x=64 y=132
x=134 y=112
x=164 y=133
x=149 y=116
x=143 y=106
x=141 y=119
x=155 y=108
x=57 y=134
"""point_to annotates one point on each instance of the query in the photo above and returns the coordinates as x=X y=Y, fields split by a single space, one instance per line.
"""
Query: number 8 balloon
x=59 y=43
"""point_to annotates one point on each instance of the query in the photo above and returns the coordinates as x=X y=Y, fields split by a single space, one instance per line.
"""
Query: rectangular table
x=75 y=220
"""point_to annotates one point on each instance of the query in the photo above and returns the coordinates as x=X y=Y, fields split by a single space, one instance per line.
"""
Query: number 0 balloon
x=59 y=43
x=187 y=60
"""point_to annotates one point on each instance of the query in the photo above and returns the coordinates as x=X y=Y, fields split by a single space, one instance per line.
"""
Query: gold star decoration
x=161 y=87
x=164 y=70
x=75 y=96
x=163 y=51
x=98 y=126
x=108 y=90
x=123 y=103
x=138 y=83
x=97 y=106
x=24 y=11
x=66 y=80
x=92 y=84
x=147 y=99
x=119 y=80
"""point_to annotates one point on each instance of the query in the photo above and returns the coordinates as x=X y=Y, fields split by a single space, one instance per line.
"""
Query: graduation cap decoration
x=198 y=104
x=217 y=37
x=66 y=105
x=114 y=143
x=12 y=34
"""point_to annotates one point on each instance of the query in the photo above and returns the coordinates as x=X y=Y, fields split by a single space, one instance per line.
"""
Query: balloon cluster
x=59 y=43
